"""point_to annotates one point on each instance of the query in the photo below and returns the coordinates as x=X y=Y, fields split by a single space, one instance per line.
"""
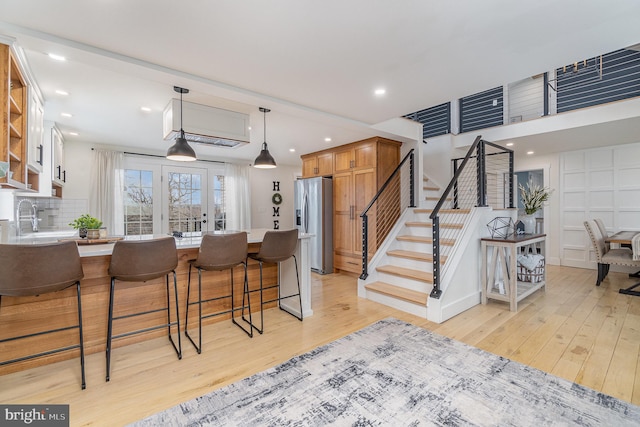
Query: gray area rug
x=392 y=373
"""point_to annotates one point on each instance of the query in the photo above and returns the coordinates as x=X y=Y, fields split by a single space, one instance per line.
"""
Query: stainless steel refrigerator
x=313 y=198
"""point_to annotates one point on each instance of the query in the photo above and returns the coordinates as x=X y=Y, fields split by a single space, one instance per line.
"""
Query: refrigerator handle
x=305 y=212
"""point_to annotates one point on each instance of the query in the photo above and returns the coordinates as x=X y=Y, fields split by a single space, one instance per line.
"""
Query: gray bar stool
x=30 y=270
x=140 y=261
x=219 y=252
x=277 y=246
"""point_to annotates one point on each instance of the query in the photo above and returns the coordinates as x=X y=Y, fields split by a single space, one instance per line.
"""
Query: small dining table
x=621 y=237
x=624 y=238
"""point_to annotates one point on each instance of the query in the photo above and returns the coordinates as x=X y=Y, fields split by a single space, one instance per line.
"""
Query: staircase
x=403 y=275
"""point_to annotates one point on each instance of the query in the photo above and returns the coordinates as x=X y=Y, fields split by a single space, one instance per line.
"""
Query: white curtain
x=106 y=201
x=238 y=196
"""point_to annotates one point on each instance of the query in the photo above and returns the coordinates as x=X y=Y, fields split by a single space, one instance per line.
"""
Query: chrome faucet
x=33 y=217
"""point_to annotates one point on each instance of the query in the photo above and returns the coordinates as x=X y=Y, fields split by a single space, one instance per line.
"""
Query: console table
x=499 y=266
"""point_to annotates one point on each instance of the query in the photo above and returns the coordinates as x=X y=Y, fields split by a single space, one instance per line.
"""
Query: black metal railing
x=388 y=204
x=487 y=181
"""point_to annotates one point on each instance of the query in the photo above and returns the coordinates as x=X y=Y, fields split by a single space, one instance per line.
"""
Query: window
x=138 y=202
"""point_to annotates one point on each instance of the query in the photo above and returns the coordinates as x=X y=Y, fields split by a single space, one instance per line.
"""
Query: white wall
x=262 y=193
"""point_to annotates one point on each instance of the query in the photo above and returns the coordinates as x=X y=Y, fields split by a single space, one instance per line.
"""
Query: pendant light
x=181 y=150
x=264 y=159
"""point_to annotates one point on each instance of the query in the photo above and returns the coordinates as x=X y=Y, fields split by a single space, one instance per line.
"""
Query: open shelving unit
x=13 y=146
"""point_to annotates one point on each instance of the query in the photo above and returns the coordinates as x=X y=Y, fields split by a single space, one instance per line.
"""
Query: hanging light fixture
x=264 y=159
x=181 y=150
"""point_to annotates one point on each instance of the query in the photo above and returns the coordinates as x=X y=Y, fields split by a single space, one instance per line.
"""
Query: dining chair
x=604 y=257
x=32 y=270
x=603 y=231
x=219 y=252
x=276 y=247
x=141 y=261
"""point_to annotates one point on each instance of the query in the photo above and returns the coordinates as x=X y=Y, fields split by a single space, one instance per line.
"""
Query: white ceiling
x=315 y=64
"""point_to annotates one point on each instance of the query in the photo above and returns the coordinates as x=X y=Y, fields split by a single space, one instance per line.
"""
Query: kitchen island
x=59 y=309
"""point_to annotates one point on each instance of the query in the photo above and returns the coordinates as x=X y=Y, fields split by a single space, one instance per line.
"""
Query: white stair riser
x=426 y=248
x=418 y=231
x=407 y=307
x=403 y=282
x=409 y=263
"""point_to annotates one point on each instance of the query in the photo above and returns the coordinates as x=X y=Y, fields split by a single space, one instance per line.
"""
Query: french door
x=184 y=193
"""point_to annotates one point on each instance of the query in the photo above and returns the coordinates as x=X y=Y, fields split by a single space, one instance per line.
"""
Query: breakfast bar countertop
x=253 y=236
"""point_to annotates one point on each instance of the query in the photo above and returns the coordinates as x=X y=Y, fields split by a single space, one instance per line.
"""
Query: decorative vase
x=93 y=233
x=529 y=222
x=82 y=232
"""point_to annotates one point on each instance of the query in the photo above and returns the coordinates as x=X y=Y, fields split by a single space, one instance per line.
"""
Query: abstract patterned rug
x=392 y=373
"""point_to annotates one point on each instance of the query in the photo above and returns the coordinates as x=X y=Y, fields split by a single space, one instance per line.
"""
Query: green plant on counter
x=86 y=221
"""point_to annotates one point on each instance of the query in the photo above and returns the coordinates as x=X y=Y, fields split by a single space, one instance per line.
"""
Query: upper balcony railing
x=606 y=78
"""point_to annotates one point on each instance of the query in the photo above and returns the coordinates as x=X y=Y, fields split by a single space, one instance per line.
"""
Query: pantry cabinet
x=320 y=164
x=359 y=170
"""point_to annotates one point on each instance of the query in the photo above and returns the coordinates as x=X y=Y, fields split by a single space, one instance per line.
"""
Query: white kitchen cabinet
x=59 y=174
x=35 y=134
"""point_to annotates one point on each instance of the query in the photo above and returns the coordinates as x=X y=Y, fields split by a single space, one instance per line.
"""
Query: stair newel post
x=482 y=175
x=365 y=246
x=436 y=292
x=456 y=205
x=412 y=189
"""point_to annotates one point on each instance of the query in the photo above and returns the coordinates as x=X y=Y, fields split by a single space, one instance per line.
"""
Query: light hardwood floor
x=575 y=330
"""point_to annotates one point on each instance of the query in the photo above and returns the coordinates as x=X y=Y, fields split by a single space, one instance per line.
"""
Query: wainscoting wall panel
x=597 y=183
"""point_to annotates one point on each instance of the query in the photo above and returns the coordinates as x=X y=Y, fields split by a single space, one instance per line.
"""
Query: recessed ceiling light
x=73 y=133
x=66 y=115
x=57 y=57
x=249 y=127
x=327 y=139
x=145 y=109
x=380 y=91
x=292 y=150
x=529 y=152
x=509 y=144
x=62 y=92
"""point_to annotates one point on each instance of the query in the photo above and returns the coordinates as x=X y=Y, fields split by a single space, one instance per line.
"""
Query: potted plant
x=87 y=226
x=533 y=198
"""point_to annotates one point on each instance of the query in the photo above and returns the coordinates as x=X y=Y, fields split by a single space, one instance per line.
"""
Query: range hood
x=206 y=125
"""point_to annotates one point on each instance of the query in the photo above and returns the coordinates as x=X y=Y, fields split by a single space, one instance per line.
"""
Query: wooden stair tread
x=409 y=273
x=455 y=226
x=436 y=199
x=431 y=188
x=443 y=211
x=418 y=256
x=398 y=292
x=424 y=239
x=417 y=224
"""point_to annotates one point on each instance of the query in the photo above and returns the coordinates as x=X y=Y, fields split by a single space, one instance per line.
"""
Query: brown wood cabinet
x=320 y=164
x=14 y=110
x=359 y=169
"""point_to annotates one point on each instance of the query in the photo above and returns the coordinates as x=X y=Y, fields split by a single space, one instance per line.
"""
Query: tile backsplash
x=56 y=214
